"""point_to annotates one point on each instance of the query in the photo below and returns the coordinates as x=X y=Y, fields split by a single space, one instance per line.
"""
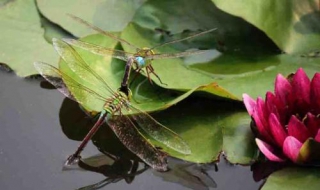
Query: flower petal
x=291 y=148
x=277 y=130
x=317 y=137
x=301 y=90
x=267 y=150
x=249 y=103
x=260 y=120
x=297 y=129
x=312 y=123
x=262 y=111
x=272 y=106
x=315 y=93
x=282 y=89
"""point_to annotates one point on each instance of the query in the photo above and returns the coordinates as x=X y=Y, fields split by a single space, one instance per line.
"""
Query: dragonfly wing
x=102 y=31
x=174 y=55
x=96 y=49
x=53 y=75
x=80 y=68
x=159 y=132
x=128 y=134
x=183 y=39
x=60 y=79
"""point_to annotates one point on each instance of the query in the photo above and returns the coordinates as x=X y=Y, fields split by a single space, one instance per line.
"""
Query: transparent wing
x=60 y=79
x=99 y=49
x=129 y=135
x=159 y=132
x=174 y=55
x=101 y=31
x=183 y=39
x=80 y=68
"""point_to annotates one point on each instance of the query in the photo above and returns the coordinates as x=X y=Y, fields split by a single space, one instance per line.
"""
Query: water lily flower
x=287 y=123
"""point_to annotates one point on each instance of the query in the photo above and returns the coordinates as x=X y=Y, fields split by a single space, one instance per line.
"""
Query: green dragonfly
x=142 y=58
x=114 y=109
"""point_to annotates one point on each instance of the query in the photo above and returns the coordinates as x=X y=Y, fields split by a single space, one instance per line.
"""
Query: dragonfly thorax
x=116 y=102
x=141 y=55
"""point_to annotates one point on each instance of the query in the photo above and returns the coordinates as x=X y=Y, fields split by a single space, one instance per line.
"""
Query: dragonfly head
x=140 y=62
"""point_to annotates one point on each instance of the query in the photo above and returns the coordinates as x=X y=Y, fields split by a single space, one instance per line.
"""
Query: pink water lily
x=287 y=119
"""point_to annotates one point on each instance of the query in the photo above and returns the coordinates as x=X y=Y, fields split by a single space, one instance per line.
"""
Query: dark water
x=33 y=148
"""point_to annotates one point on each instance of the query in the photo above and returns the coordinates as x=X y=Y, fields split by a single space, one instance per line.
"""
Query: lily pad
x=211 y=127
x=172 y=72
x=146 y=96
x=177 y=16
x=234 y=72
x=260 y=78
x=21 y=37
x=292 y=25
x=109 y=15
x=294 y=178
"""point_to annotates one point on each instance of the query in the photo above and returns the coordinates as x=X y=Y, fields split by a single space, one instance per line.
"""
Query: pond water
x=33 y=148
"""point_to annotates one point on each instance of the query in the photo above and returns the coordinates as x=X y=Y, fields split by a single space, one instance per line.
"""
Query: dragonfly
x=115 y=107
x=142 y=58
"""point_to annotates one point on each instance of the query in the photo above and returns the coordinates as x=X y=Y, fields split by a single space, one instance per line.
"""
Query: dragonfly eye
x=141 y=62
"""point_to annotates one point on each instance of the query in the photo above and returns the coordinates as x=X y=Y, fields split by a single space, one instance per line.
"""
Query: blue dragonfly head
x=141 y=62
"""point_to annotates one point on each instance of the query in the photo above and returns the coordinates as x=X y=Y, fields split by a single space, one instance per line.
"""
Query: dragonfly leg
x=74 y=158
x=151 y=69
x=148 y=74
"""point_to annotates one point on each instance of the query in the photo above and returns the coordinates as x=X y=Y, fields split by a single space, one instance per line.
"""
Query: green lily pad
x=294 y=179
x=233 y=72
x=172 y=72
x=145 y=95
x=261 y=76
x=109 y=15
x=177 y=16
x=292 y=25
x=21 y=37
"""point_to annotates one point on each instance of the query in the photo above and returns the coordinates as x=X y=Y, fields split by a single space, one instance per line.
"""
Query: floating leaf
x=109 y=15
x=292 y=25
x=21 y=37
x=294 y=178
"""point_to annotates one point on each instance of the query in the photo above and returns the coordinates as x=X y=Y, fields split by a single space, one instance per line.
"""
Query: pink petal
x=317 y=137
x=262 y=111
x=249 y=103
x=272 y=105
x=301 y=91
x=297 y=129
x=267 y=150
x=262 y=129
x=282 y=89
x=277 y=129
x=291 y=148
x=260 y=120
x=315 y=93
x=312 y=123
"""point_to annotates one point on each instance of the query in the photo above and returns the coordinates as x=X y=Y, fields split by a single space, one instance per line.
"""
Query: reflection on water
x=191 y=175
x=115 y=169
